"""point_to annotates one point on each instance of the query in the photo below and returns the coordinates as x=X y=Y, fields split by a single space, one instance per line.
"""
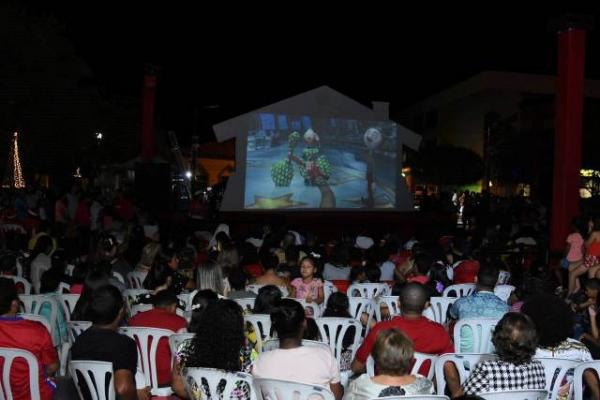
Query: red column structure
x=568 y=135
x=148 y=101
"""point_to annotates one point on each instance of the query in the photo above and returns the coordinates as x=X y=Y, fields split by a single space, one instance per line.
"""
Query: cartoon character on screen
x=372 y=139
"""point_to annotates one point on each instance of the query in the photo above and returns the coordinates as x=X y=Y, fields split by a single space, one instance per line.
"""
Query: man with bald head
x=428 y=336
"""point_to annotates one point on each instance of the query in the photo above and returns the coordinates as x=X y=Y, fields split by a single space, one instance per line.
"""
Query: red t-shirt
x=429 y=337
x=19 y=333
x=158 y=318
x=466 y=272
x=254 y=270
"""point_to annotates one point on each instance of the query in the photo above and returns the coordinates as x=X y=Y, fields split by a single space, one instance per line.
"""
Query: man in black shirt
x=102 y=342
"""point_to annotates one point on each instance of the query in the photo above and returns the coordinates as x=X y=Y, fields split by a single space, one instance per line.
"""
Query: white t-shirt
x=335 y=273
x=39 y=265
x=312 y=365
x=387 y=271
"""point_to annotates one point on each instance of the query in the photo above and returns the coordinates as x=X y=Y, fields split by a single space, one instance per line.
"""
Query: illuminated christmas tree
x=14 y=173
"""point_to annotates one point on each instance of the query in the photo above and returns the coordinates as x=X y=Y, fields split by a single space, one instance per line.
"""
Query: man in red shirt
x=428 y=336
x=19 y=333
x=162 y=316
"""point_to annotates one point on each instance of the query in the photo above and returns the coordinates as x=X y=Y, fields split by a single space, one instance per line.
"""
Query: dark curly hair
x=219 y=338
x=266 y=300
x=515 y=338
x=552 y=317
x=337 y=306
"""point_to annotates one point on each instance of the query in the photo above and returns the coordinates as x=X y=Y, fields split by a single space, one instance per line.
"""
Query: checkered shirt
x=496 y=376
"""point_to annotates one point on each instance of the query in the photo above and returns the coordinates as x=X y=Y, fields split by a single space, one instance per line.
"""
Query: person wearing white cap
x=364 y=242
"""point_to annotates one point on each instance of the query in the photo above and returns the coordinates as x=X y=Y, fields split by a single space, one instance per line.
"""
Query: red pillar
x=148 y=99
x=567 y=139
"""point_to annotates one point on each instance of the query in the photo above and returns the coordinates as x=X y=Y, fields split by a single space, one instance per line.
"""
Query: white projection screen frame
x=320 y=103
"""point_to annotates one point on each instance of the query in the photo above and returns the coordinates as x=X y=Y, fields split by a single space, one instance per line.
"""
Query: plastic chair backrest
x=93 y=377
x=147 y=340
x=132 y=295
x=482 y=330
x=504 y=291
x=69 y=270
x=76 y=328
x=334 y=329
x=439 y=308
x=360 y=305
x=419 y=360
x=135 y=279
x=68 y=302
x=275 y=389
x=312 y=309
x=460 y=290
x=118 y=277
x=246 y=303
x=20 y=281
x=577 y=386
x=8 y=356
x=139 y=308
x=63 y=288
x=464 y=363
x=273 y=344
x=328 y=289
x=516 y=395
x=556 y=369
x=194 y=378
x=262 y=326
x=368 y=290
x=391 y=303
x=176 y=340
x=186 y=299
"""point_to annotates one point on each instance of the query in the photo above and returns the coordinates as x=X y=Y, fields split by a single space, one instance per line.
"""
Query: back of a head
x=164 y=299
x=288 y=319
x=106 y=305
x=199 y=303
x=149 y=253
x=95 y=279
x=237 y=279
x=515 y=338
x=488 y=276
x=50 y=281
x=413 y=298
x=552 y=317
x=8 y=294
x=340 y=255
x=393 y=352
x=210 y=277
x=158 y=274
x=423 y=262
x=268 y=297
x=337 y=306
x=373 y=273
x=292 y=254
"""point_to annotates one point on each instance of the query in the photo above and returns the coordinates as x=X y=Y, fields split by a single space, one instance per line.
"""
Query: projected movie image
x=300 y=162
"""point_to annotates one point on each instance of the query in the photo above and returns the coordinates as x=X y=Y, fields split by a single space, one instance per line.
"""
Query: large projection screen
x=318 y=150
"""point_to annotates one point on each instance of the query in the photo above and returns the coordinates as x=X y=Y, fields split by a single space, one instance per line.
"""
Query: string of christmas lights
x=18 y=181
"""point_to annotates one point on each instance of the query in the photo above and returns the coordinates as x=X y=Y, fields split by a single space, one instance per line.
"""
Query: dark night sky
x=242 y=59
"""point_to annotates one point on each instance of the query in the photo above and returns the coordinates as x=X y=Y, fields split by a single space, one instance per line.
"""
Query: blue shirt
x=482 y=304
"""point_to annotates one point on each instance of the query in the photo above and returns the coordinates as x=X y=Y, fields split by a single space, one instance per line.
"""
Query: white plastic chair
x=176 y=340
x=186 y=299
x=334 y=329
x=68 y=303
x=262 y=326
x=132 y=295
x=482 y=330
x=246 y=303
x=328 y=289
x=516 y=395
x=76 y=328
x=20 y=281
x=273 y=344
x=439 y=308
x=504 y=291
x=147 y=341
x=419 y=358
x=275 y=389
x=97 y=376
x=194 y=377
x=577 y=386
x=368 y=290
x=464 y=363
x=118 y=277
x=360 y=306
x=63 y=288
x=312 y=309
x=8 y=356
x=391 y=303
x=556 y=369
x=19 y=267
x=461 y=290
x=136 y=279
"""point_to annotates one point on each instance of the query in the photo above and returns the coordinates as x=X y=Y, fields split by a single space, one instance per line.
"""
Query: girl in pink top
x=308 y=287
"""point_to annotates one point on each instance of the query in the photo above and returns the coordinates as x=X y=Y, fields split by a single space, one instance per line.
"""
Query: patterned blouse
x=497 y=376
